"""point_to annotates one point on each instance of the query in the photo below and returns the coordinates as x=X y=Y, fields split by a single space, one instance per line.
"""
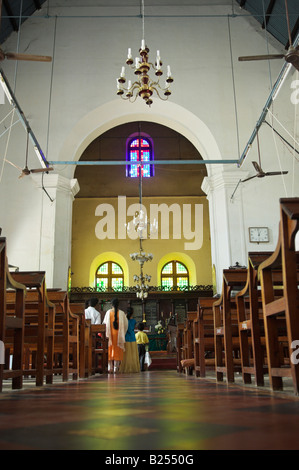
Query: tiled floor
x=156 y=410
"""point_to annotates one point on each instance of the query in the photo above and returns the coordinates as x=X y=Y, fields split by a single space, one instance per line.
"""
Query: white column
x=226 y=221
x=56 y=227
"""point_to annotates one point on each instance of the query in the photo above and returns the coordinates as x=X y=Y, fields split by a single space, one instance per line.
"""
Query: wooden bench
x=286 y=306
x=203 y=337
x=226 y=334
x=251 y=321
x=179 y=343
x=188 y=343
x=66 y=340
x=187 y=360
x=99 y=349
x=11 y=324
x=85 y=340
x=39 y=325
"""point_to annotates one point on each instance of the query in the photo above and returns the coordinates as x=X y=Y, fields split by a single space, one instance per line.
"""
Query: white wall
x=60 y=98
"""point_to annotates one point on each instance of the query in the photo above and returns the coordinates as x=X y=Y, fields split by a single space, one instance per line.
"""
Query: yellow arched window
x=174 y=274
x=109 y=275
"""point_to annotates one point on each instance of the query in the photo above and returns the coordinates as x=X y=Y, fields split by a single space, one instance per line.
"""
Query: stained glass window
x=174 y=275
x=109 y=276
x=140 y=150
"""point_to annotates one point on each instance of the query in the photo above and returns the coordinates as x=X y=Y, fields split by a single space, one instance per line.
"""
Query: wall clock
x=258 y=234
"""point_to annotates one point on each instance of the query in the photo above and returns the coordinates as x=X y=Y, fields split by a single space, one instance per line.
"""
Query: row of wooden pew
x=42 y=334
x=252 y=328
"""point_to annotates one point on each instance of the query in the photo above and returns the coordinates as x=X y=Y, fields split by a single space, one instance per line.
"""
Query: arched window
x=174 y=274
x=140 y=149
x=109 y=276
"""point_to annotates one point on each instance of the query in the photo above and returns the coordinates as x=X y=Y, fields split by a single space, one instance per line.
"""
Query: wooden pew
x=226 y=332
x=99 y=349
x=85 y=340
x=250 y=320
x=179 y=342
x=203 y=337
x=187 y=360
x=286 y=306
x=39 y=325
x=11 y=324
x=66 y=340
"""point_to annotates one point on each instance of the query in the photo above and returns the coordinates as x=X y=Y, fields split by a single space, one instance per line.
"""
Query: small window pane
x=103 y=269
x=117 y=283
x=180 y=268
x=116 y=269
x=144 y=143
x=102 y=283
x=167 y=282
x=167 y=269
x=182 y=281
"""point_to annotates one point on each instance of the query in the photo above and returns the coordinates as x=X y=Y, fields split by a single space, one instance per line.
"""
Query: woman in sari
x=116 y=328
x=130 y=362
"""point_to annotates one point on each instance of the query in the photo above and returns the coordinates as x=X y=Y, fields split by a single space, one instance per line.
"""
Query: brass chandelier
x=144 y=86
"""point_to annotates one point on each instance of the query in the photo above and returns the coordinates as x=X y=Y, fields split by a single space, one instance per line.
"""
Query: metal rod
x=153 y=162
x=265 y=108
x=24 y=121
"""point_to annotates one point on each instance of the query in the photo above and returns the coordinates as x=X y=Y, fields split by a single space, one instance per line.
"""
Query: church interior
x=149 y=153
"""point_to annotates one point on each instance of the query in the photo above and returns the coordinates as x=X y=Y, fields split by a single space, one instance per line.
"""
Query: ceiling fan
x=259 y=171
x=17 y=56
x=292 y=55
x=25 y=171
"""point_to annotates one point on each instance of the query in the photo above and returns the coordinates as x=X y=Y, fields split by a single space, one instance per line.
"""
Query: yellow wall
x=88 y=251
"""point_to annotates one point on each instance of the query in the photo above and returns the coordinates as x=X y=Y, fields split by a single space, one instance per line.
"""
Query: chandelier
x=144 y=229
x=143 y=85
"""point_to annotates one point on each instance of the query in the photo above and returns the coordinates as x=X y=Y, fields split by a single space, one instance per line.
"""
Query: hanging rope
x=6 y=147
x=278 y=158
x=292 y=137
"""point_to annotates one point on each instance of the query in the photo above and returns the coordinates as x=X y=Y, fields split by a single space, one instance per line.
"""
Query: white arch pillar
x=228 y=244
x=56 y=227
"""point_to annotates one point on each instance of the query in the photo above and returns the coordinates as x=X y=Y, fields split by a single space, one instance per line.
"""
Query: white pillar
x=226 y=221
x=56 y=227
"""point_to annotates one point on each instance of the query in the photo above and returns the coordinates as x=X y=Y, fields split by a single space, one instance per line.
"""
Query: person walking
x=116 y=327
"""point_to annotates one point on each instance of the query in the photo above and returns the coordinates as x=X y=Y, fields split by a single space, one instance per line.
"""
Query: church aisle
x=155 y=410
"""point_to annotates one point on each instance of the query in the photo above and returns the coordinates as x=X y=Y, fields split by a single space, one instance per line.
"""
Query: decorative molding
x=58 y=183
x=222 y=180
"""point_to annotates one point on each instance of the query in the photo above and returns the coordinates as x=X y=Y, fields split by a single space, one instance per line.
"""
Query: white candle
x=168 y=71
x=129 y=84
x=129 y=53
x=143 y=44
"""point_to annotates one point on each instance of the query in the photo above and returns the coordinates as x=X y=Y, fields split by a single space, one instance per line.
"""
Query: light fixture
x=142 y=225
x=143 y=85
x=143 y=229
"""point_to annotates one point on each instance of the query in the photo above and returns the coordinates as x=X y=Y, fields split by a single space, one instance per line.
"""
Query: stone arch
x=118 y=112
